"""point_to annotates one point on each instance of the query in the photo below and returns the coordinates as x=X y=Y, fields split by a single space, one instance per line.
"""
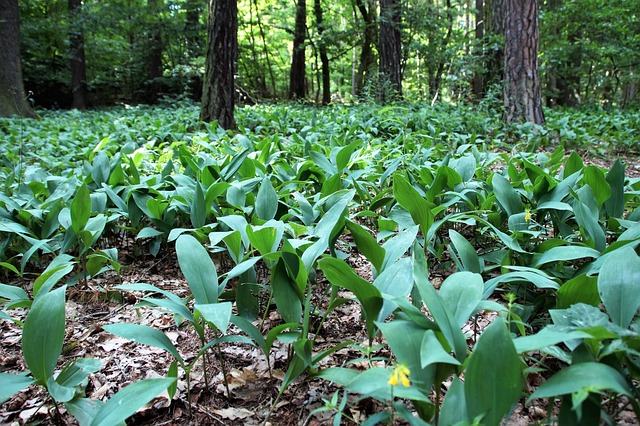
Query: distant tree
x=324 y=58
x=218 y=95
x=297 y=73
x=77 y=58
x=477 y=83
x=495 y=29
x=522 y=95
x=369 y=40
x=390 y=50
x=13 y=100
x=155 y=50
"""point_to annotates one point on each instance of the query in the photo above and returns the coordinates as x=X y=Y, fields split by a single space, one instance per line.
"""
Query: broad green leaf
x=50 y=277
x=573 y=164
x=128 y=400
x=563 y=254
x=417 y=206
x=493 y=378
x=235 y=163
x=11 y=384
x=217 y=313
x=507 y=196
x=80 y=208
x=367 y=245
x=548 y=336
x=199 y=209
x=461 y=292
x=432 y=352
x=537 y=279
x=394 y=282
x=198 y=269
x=286 y=294
x=454 y=405
x=467 y=254
x=583 y=377
x=397 y=246
x=84 y=409
x=341 y=275
x=580 y=289
x=172 y=373
x=374 y=383
x=43 y=334
x=75 y=372
x=146 y=335
x=266 y=201
x=587 y=218
x=619 y=285
x=442 y=316
x=148 y=232
x=594 y=177
x=58 y=392
x=344 y=155
x=614 y=206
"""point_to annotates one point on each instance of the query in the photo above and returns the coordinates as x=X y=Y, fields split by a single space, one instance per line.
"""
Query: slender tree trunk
x=495 y=17
x=13 y=100
x=435 y=77
x=367 y=57
x=324 y=57
x=297 y=74
x=477 y=84
x=155 y=51
x=522 y=98
x=192 y=27
x=390 y=51
x=77 y=59
x=218 y=95
x=265 y=50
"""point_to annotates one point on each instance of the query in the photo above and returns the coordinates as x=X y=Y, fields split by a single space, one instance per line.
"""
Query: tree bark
x=477 y=84
x=218 y=95
x=324 y=58
x=390 y=51
x=522 y=97
x=13 y=100
x=297 y=74
x=77 y=59
x=495 y=18
x=367 y=57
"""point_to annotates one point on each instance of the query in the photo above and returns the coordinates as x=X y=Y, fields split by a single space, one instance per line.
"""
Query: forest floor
x=253 y=387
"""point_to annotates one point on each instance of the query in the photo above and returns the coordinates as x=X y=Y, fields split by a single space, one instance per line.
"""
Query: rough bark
x=522 y=97
x=13 y=100
x=324 y=57
x=297 y=74
x=77 y=58
x=218 y=94
x=367 y=57
x=390 y=51
x=495 y=18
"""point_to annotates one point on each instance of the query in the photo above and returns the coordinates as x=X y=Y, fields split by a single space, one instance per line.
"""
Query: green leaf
x=198 y=212
x=146 y=335
x=286 y=294
x=507 y=196
x=172 y=373
x=43 y=334
x=594 y=177
x=563 y=254
x=217 y=313
x=461 y=292
x=267 y=200
x=58 y=392
x=198 y=269
x=394 y=282
x=128 y=400
x=454 y=406
x=442 y=316
x=11 y=384
x=80 y=208
x=467 y=254
x=573 y=164
x=580 y=289
x=432 y=352
x=75 y=372
x=417 y=206
x=493 y=378
x=584 y=376
x=341 y=275
x=619 y=285
x=367 y=245
x=614 y=206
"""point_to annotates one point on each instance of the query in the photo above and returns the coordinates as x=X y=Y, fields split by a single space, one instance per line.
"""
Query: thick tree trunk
x=390 y=51
x=367 y=57
x=324 y=57
x=155 y=51
x=218 y=94
x=13 y=100
x=77 y=59
x=522 y=98
x=297 y=74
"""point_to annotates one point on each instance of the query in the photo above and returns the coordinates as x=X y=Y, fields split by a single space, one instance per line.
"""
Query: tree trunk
x=495 y=17
x=13 y=100
x=390 y=51
x=192 y=28
x=324 y=58
x=437 y=67
x=77 y=59
x=297 y=74
x=218 y=94
x=477 y=84
x=522 y=98
x=155 y=51
x=367 y=57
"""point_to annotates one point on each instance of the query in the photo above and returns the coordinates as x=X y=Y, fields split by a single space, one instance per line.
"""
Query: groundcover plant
x=488 y=267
